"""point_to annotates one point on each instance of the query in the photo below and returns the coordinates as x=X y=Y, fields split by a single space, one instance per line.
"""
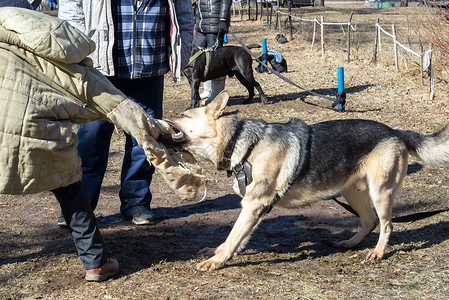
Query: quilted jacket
x=209 y=13
x=47 y=84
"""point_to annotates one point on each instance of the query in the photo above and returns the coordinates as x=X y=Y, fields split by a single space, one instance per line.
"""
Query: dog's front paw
x=207 y=252
x=208 y=265
x=374 y=256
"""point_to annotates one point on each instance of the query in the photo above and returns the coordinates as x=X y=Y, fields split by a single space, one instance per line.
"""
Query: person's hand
x=222 y=27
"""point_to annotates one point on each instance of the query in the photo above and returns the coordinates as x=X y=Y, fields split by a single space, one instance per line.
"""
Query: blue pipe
x=264 y=49
x=341 y=79
x=341 y=87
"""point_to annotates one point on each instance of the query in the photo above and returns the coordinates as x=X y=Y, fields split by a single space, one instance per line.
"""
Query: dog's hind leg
x=386 y=170
x=262 y=96
x=248 y=86
x=250 y=83
x=360 y=201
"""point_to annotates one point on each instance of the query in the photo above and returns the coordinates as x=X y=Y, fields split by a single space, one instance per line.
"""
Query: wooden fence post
x=240 y=10
x=431 y=75
x=395 y=47
x=276 y=21
x=421 y=69
x=349 y=36
x=376 y=37
x=271 y=13
x=268 y=14
x=257 y=10
x=379 y=39
x=278 y=14
x=314 y=34
x=290 y=18
x=322 y=36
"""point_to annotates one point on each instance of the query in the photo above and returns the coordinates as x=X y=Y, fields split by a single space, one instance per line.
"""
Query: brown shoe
x=110 y=268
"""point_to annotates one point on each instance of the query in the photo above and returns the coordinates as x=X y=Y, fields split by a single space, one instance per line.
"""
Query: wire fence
x=425 y=58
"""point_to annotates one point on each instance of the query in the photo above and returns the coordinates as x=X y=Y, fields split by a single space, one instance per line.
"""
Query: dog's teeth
x=178 y=135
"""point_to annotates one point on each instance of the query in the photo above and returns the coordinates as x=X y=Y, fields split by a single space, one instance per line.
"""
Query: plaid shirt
x=141 y=38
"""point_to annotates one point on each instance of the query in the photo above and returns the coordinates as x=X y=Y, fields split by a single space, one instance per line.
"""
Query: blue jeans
x=82 y=225
x=94 y=141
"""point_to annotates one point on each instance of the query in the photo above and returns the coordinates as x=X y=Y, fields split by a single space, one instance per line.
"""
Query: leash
x=336 y=101
x=402 y=219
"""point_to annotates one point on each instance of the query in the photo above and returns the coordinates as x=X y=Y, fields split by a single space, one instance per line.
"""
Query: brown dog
x=294 y=164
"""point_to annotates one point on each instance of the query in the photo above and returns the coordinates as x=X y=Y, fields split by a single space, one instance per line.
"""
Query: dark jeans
x=94 y=140
x=206 y=40
x=82 y=225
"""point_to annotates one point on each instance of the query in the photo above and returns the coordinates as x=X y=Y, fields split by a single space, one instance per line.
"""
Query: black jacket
x=209 y=13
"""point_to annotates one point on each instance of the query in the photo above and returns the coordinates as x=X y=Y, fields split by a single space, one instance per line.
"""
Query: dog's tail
x=431 y=149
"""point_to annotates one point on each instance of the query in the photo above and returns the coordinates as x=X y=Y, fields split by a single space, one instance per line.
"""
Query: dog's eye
x=183 y=115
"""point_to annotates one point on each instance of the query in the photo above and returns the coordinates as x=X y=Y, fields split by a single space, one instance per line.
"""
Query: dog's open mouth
x=175 y=138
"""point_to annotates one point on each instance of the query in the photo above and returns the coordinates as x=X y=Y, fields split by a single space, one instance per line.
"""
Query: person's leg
x=216 y=85
x=212 y=39
x=207 y=90
x=93 y=148
x=200 y=40
x=86 y=235
x=135 y=195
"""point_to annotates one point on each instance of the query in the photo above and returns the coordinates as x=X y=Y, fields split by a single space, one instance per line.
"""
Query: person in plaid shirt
x=138 y=41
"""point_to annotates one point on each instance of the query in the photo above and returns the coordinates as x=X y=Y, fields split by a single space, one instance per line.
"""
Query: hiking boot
x=110 y=268
x=61 y=222
x=143 y=218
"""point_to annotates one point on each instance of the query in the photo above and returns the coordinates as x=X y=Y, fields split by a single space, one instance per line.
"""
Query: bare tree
x=436 y=25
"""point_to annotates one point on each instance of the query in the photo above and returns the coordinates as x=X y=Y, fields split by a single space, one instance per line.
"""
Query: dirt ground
x=291 y=255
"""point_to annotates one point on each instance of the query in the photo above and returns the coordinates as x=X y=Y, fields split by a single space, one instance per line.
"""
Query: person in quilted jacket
x=47 y=84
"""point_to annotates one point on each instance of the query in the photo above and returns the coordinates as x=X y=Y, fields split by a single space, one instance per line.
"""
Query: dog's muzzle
x=176 y=138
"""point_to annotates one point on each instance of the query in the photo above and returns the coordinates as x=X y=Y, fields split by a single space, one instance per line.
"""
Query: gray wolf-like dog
x=293 y=164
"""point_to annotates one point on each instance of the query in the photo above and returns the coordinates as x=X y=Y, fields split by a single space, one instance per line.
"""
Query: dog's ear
x=217 y=106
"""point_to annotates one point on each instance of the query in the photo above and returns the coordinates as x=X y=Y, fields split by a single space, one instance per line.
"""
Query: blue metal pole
x=341 y=88
x=341 y=79
x=264 y=50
